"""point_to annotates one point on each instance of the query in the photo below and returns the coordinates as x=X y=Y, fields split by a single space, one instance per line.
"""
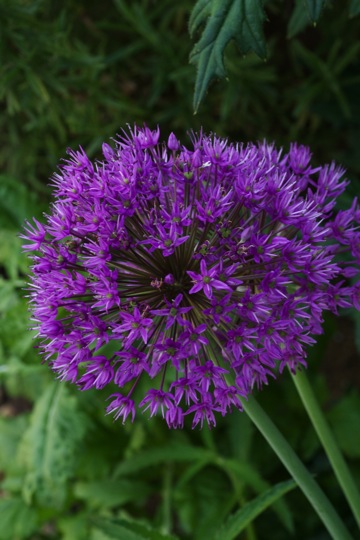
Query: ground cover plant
x=76 y=73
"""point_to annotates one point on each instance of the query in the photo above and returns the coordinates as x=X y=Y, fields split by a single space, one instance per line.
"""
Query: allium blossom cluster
x=203 y=270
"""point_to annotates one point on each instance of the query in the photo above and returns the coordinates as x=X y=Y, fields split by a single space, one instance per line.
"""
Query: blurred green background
x=75 y=72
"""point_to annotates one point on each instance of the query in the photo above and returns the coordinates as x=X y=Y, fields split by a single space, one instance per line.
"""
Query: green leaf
x=9 y=299
x=17 y=519
x=11 y=256
x=110 y=493
x=11 y=430
x=245 y=471
x=354 y=8
x=127 y=530
x=224 y=20
x=51 y=446
x=192 y=471
x=201 y=11
x=314 y=8
x=158 y=456
x=299 y=19
x=14 y=329
x=250 y=476
x=240 y=520
x=16 y=202
x=325 y=73
x=74 y=527
x=37 y=86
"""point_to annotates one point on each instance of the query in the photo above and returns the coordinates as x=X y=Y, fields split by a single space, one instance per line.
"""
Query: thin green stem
x=327 y=439
x=301 y=475
x=166 y=506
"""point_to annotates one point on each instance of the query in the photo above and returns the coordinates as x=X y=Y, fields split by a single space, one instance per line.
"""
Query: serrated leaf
x=314 y=8
x=238 y=521
x=127 y=530
x=157 y=456
x=354 y=8
x=240 y=20
x=201 y=11
x=50 y=446
x=17 y=519
x=299 y=19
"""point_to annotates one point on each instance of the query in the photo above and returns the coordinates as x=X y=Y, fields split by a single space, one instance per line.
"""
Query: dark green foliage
x=314 y=8
x=224 y=20
x=354 y=8
x=238 y=521
x=75 y=72
x=345 y=421
x=17 y=519
x=50 y=446
x=241 y=21
x=129 y=531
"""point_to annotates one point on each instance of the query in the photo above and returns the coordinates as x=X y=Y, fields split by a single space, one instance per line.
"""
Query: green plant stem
x=301 y=475
x=327 y=439
x=167 y=481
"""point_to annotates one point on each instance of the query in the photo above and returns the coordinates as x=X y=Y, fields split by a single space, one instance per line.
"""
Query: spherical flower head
x=204 y=270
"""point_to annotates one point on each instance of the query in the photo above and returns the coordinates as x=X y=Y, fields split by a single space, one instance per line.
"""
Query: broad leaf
x=110 y=493
x=11 y=430
x=240 y=520
x=17 y=519
x=224 y=20
x=50 y=446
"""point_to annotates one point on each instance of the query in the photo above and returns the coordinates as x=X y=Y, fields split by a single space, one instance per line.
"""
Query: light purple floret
x=204 y=270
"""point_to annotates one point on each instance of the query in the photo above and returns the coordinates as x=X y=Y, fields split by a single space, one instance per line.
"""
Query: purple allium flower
x=203 y=271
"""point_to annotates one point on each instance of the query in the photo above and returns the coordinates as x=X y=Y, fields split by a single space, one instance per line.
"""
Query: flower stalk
x=301 y=475
x=328 y=441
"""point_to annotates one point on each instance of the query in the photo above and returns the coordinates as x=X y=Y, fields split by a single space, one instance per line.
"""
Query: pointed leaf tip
x=224 y=21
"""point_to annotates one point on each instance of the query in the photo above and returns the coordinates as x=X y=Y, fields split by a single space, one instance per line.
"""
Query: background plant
x=73 y=73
